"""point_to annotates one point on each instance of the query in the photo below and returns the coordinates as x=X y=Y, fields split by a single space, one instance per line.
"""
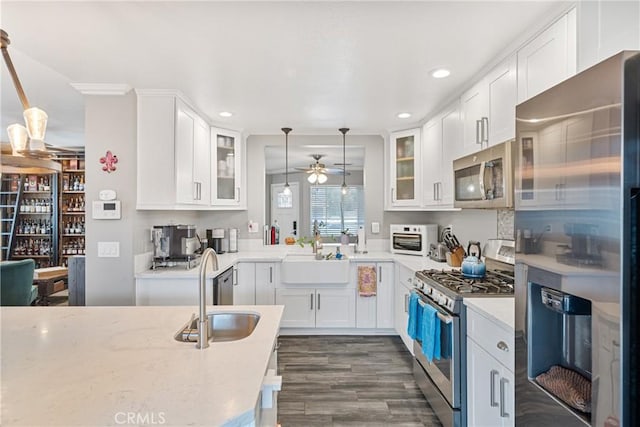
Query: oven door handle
x=444 y=317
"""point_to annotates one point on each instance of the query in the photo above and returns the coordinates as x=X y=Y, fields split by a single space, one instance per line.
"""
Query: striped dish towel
x=367 y=281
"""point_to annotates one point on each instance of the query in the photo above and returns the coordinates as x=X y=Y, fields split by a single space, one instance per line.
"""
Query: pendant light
x=344 y=161
x=30 y=142
x=287 y=189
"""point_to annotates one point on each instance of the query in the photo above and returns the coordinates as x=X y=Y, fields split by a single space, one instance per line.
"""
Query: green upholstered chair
x=16 y=282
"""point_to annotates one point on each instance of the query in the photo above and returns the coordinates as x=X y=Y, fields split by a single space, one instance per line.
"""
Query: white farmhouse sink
x=305 y=269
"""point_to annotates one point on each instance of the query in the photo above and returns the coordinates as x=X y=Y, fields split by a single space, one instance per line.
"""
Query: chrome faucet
x=203 y=320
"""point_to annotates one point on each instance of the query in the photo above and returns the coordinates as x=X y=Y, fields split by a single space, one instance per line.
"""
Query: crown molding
x=101 y=88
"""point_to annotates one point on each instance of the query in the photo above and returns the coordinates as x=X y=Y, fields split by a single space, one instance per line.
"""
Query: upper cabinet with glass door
x=405 y=169
x=226 y=171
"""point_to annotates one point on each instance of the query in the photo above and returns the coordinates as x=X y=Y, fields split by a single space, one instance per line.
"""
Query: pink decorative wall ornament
x=109 y=161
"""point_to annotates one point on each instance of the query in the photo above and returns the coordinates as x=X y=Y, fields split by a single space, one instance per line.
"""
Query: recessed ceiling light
x=404 y=115
x=440 y=73
x=225 y=114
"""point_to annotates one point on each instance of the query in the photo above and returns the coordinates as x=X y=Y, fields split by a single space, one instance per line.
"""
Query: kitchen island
x=100 y=366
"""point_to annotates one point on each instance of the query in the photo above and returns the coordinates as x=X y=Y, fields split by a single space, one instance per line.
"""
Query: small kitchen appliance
x=175 y=245
x=413 y=239
x=443 y=382
x=438 y=252
x=218 y=240
x=472 y=266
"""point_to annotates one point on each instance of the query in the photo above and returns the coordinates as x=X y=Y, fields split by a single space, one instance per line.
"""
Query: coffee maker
x=175 y=245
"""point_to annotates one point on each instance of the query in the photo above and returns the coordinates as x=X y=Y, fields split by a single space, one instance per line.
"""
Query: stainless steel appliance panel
x=223 y=288
x=447 y=415
x=578 y=172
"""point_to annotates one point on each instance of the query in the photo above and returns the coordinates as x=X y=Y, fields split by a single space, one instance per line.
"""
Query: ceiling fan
x=318 y=171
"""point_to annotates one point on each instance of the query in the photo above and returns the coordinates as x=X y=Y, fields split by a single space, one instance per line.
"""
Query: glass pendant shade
x=36 y=120
x=345 y=189
x=37 y=145
x=287 y=190
x=18 y=137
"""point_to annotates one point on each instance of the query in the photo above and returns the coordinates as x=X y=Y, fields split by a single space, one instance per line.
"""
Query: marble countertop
x=91 y=365
x=277 y=254
x=501 y=310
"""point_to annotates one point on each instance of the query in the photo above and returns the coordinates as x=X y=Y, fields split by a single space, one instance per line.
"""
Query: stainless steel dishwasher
x=223 y=288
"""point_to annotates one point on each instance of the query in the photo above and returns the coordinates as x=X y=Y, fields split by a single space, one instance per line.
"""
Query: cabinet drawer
x=405 y=276
x=497 y=341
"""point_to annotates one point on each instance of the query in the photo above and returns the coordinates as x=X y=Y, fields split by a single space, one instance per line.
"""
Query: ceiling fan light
x=312 y=178
x=18 y=137
x=322 y=178
x=36 y=120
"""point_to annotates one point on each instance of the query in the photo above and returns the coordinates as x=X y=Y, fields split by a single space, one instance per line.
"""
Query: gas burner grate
x=494 y=282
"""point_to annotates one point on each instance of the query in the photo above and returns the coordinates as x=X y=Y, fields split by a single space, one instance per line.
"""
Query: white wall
x=110 y=124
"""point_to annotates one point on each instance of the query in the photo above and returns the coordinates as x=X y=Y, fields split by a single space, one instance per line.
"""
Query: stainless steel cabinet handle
x=485 y=130
x=311 y=301
x=503 y=383
x=271 y=274
x=406 y=303
x=503 y=346
x=477 y=131
x=195 y=190
x=492 y=389
x=379 y=274
x=435 y=191
x=392 y=199
x=237 y=194
x=318 y=302
x=235 y=277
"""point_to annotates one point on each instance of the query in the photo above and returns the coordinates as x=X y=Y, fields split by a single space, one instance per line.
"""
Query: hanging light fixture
x=30 y=142
x=345 y=189
x=287 y=189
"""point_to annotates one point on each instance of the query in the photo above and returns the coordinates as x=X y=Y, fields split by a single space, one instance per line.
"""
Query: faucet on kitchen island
x=203 y=321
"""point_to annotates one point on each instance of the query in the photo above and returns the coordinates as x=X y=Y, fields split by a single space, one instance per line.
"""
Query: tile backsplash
x=506 y=224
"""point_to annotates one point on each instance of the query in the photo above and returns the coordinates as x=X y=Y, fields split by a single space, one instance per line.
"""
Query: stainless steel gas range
x=443 y=381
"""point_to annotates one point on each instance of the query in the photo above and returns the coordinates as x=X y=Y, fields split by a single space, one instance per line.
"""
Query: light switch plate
x=375 y=227
x=108 y=249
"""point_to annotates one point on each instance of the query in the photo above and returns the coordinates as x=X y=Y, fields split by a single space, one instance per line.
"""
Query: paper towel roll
x=361 y=244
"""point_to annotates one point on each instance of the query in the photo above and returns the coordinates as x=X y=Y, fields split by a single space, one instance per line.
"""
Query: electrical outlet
x=253 y=227
x=548 y=228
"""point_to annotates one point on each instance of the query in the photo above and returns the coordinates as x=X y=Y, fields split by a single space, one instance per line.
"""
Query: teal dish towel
x=412 y=325
x=430 y=332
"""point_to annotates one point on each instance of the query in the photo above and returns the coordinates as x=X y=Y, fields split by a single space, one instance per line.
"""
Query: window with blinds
x=336 y=211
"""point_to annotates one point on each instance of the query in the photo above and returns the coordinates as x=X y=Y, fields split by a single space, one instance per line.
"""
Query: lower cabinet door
x=265 y=283
x=335 y=308
x=244 y=289
x=299 y=307
x=401 y=303
x=483 y=387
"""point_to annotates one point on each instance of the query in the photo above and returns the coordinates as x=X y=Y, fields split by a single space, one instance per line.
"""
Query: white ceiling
x=301 y=157
x=314 y=66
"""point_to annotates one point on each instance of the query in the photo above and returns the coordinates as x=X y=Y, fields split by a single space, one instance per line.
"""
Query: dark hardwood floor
x=349 y=380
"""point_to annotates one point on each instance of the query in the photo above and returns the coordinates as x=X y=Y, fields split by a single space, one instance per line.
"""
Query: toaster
x=438 y=252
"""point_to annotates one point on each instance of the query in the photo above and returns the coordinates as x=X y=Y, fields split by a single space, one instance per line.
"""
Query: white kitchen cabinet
x=605 y=28
x=255 y=283
x=191 y=154
x=244 y=287
x=375 y=311
x=325 y=307
x=549 y=58
x=441 y=145
x=488 y=108
x=173 y=153
x=405 y=169
x=403 y=286
x=266 y=279
x=227 y=150
x=475 y=112
x=490 y=367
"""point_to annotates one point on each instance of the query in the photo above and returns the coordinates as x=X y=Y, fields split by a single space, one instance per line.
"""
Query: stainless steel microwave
x=485 y=179
x=413 y=239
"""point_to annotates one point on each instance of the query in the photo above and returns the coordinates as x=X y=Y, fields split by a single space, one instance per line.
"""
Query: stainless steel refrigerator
x=577 y=191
